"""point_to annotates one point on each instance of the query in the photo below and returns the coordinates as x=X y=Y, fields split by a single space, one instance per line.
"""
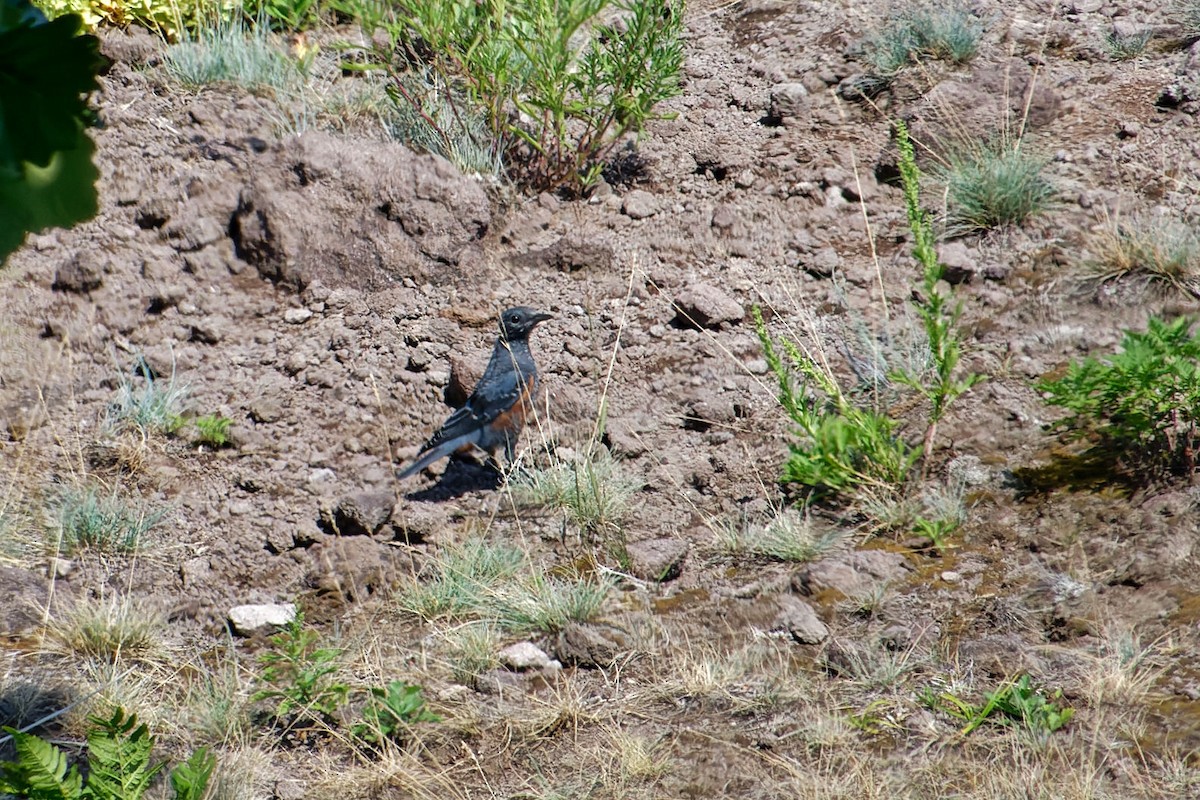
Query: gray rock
x=702 y=305
x=361 y=513
x=852 y=574
x=960 y=265
x=523 y=656
x=351 y=569
x=249 y=619
x=588 y=645
x=789 y=101
x=297 y=316
x=800 y=620
x=639 y=204
x=83 y=273
x=657 y=559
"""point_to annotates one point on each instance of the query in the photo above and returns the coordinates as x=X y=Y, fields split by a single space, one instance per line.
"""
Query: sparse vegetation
x=993 y=184
x=89 y=517
x=1141 y=402
x=950 y=33
x=557 y=91
x=1157 y=249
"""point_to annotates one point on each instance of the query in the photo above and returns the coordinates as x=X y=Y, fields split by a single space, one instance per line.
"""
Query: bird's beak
x=541 y=317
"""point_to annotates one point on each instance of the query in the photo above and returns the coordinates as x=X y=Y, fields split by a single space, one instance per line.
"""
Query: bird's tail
x=427 y=458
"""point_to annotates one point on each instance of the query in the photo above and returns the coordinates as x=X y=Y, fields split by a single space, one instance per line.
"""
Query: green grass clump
x=949 y=34
x=149 y=404
x=106 y=631
x=788 y=536
x=1158 y=249
x=1124 y=47
x=1140 y=405
x=993 y=184
x=89 y=518
x=232 y=52
x=592 y=492
x=498 y=583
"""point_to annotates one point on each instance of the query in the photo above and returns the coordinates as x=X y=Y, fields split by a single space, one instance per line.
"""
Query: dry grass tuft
x=1155 y=249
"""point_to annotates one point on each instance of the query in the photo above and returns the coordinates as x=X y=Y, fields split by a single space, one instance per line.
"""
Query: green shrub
x=949 y=34
x=841 y=446
x=939 y=313
x=298 y=673
x=557 y=91
x=119 y=766
x=993 y=184
x=168 y=18
x=1140 y=404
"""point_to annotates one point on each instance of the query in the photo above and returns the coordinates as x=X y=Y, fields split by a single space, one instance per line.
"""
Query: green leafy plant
x=390 y=711
x=938 y=311
x=212 y=429
x=119 y=765
x=47 y=71
x=298 y=673
x=991 y=184
x=1016 y=701
x=841 y=446
x=1140 y=404
x=557 y=92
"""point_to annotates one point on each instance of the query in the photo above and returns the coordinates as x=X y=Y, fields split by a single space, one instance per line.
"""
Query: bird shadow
x=461 y=477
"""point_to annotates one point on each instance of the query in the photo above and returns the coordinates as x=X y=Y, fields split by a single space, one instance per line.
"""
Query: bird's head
x=516 y=323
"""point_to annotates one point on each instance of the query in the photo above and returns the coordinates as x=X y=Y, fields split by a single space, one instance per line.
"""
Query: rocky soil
x=330 y=292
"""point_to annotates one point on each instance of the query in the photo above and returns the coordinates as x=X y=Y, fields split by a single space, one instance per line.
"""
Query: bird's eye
x=515 y=319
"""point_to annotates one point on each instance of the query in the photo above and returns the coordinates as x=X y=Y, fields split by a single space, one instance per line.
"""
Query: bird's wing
x=495 y=394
